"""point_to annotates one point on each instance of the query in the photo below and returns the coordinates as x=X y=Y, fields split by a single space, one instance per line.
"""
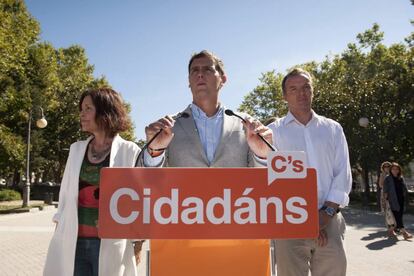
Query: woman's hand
x=137 y=250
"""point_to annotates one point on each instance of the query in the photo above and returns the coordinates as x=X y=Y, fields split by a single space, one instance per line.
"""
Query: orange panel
x=210 y=258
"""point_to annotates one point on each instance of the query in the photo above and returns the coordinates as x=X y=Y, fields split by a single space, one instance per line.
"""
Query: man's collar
x=199 y=113
x=291 y=118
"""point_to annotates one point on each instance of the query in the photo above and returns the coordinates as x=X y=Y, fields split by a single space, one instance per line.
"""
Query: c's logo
x=287 y=164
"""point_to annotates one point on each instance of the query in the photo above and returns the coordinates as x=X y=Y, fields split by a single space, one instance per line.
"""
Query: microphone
x=175 y=117
x=231 y=113
x=181 y=115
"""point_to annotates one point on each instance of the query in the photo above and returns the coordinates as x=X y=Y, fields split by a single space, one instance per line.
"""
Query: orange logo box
x=205 y=203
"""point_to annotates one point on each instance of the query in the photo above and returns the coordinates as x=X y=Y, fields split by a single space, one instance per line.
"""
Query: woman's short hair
x=111 y=114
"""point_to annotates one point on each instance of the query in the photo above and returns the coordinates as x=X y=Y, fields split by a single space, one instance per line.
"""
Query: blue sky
x=142 y=47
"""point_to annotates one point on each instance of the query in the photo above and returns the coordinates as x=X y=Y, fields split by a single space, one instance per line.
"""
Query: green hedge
x=7 y=195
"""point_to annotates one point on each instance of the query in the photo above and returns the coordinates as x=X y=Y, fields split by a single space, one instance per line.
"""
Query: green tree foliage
x=33 y=75
x=369 y=80
x=265 y=101
x=18 y=31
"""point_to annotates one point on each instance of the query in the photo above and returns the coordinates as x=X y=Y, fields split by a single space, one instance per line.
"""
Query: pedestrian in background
x=385 y=205
x=395 y=192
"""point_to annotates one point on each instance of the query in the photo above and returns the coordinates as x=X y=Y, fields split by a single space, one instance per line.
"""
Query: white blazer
x=116 y=256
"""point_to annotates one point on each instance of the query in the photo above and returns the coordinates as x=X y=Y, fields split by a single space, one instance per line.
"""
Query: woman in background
x=75 y=248
x=395 y=192
x=385 y=206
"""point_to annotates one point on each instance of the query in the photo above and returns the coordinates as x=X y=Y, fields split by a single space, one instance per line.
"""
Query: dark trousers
x=87 y=257
x=398 y=217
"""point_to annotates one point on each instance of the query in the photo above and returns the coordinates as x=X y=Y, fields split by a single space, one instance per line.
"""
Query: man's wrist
x=330 y=210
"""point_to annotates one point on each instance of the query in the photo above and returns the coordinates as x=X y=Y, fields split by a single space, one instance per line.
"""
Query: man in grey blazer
x=207 y=137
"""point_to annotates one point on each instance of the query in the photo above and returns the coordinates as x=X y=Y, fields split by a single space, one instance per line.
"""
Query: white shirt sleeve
x=342 y=177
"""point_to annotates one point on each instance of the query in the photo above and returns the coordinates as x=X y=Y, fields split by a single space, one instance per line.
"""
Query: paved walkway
x=24 y=240
x=371 y=252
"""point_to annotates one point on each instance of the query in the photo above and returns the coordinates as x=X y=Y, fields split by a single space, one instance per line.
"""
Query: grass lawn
x=7 y=209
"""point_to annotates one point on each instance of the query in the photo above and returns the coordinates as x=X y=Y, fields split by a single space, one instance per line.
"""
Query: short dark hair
x=111 y=114
x=218 y=63
x=295 y=72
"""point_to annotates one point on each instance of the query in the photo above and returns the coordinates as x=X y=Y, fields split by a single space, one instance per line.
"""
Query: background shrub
x=8 y=195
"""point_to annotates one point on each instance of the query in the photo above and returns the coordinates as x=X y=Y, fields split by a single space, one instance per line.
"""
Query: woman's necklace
x=99 y=154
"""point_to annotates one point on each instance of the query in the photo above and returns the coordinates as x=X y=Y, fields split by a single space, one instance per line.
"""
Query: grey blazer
x=389 y=188
x=185 y=149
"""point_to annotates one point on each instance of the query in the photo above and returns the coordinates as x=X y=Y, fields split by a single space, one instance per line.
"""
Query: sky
x=142 y=47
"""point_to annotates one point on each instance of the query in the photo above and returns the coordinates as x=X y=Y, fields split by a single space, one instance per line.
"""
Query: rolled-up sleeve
x=342 y=177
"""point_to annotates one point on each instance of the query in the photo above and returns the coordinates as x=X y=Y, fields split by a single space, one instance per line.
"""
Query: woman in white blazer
x=75 y=248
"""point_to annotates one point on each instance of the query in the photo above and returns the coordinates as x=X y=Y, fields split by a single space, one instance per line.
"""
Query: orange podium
x=210 y=257
x=206 y=221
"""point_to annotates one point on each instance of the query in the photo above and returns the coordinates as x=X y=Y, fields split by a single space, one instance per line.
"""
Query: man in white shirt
x=326 y=149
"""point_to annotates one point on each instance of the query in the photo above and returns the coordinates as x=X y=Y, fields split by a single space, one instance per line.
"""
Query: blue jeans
x=87 y=257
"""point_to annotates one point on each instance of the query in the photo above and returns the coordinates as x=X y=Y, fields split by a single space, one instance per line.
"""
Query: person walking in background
x=385 y=206
x=395 y=192
x=326 y=149
x=75 y=248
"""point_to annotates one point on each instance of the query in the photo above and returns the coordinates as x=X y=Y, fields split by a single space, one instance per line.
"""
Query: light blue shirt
x=209 y=130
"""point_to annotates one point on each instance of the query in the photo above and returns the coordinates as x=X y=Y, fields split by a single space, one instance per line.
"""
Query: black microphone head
x=184 y=115
x=180 y=115
x=229 y=112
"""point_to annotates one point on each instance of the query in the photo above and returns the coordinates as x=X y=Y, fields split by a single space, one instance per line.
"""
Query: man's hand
x=256 y=144
x=322 y=238
x=164 y=138
x=324 y=219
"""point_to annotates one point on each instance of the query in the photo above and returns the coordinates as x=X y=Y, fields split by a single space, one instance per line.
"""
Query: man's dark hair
x=218 y=64
x=295 y=72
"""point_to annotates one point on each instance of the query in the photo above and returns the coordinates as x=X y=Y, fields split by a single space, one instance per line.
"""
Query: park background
x=360 y=53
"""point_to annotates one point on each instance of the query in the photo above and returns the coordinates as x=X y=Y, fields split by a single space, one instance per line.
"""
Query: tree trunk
x=367 y=191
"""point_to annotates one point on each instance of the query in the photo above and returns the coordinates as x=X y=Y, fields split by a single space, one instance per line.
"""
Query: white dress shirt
x=326 y=149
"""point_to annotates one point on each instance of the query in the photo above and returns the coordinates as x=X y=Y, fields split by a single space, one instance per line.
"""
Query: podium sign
x=206 y=203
